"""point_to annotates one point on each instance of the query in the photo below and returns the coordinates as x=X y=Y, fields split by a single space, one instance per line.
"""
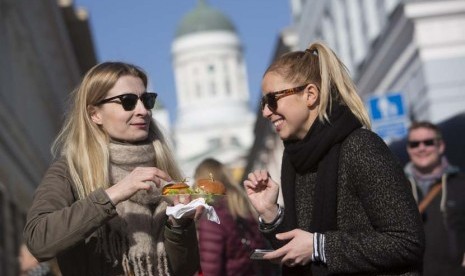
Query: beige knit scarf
x=135 y=236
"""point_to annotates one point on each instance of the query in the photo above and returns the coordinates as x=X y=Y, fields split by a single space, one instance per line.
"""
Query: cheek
x=115 y=121
x=299 y=114
x=118 y=116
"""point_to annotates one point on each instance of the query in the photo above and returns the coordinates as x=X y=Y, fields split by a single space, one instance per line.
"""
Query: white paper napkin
x=179 y=210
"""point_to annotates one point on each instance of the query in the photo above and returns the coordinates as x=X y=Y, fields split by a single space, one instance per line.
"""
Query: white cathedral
x=213 y=114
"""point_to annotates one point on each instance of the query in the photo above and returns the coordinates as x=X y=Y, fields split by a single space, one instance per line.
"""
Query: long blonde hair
x=319 y=65
x=238 y=203
x=84 y=144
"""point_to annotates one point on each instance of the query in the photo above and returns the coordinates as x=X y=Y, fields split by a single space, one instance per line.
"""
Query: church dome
x=204 y=18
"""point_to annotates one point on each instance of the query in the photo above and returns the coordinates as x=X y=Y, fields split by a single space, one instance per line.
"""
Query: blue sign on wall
x=388 y=115
x=386 y=107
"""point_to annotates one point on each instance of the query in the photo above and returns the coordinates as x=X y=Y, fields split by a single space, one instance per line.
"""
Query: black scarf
x=317 y=152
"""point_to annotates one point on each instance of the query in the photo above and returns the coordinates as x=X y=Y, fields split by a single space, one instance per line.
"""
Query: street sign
x=388 y=115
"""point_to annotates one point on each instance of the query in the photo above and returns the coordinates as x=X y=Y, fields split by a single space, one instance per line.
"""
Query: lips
x=278 y=124
x=140 y=125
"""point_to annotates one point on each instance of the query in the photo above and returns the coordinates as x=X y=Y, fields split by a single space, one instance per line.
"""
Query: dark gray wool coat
x=379 y=229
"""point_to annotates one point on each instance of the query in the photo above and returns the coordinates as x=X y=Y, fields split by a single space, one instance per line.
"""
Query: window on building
x=239 y=60
x=214 y=142
x=235 y=141
x=198 y=90
x=227 y=86
x=213 y=88
x=327 y=30
x=382 y=12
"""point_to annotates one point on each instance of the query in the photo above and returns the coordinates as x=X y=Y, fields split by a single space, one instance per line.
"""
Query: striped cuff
x=319 y=248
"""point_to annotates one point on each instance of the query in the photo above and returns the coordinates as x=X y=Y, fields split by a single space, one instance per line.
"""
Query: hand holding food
x=205 y=188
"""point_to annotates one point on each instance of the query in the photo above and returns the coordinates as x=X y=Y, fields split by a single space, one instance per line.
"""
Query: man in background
x=439 y=189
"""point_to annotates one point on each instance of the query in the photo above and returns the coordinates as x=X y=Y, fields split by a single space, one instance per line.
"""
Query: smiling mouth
x=278 y=122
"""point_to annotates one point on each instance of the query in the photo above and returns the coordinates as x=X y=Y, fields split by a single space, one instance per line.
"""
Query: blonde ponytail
x=334 y=74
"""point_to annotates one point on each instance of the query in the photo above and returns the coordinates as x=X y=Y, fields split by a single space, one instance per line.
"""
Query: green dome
x=203 y=18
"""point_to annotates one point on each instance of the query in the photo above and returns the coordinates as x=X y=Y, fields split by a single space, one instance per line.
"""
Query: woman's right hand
x=263 y=194
x=136 y=181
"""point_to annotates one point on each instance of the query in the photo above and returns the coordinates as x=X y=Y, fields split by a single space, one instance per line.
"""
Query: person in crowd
x=439 y=189
x=29 y=266
x=99 y=208
x=347 y=205
x=225 y=248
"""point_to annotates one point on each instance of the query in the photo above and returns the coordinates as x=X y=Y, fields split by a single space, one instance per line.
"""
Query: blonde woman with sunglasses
x=99 y=209
x=347 y=205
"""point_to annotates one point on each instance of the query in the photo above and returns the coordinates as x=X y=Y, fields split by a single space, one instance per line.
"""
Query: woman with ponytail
x=99 y=208
x=347 y=205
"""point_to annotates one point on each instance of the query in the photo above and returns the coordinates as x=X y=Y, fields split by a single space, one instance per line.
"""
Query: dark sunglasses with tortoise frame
x=271 y=99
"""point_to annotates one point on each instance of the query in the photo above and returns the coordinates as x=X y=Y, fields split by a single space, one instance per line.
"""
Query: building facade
x=213 y=116
x=413 y=47
x=44 y=49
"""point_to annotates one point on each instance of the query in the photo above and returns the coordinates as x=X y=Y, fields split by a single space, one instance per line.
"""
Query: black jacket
x=379 y=227
x=444 y=225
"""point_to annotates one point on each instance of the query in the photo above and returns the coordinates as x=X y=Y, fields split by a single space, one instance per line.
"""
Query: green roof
x=204 y=18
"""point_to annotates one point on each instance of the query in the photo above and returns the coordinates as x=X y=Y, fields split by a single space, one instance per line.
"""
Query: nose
x=140 y=108
x=266 y=112
x=422 y=146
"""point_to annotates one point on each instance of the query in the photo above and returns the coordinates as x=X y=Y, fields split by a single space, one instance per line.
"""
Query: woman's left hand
x=298 y=251
x=189 y=216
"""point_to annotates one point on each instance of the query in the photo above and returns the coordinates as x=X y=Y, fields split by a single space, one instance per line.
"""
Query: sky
x=142 y=32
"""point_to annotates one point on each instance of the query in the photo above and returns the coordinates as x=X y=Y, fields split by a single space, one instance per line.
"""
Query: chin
x=134 y=138
x=283 y=137
x=288 y=137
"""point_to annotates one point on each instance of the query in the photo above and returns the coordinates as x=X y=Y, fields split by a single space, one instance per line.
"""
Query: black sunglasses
x=427 y=142
x=271 y=99
x=129 y=100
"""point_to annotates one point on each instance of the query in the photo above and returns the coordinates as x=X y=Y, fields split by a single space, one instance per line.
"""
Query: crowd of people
x=349 y=206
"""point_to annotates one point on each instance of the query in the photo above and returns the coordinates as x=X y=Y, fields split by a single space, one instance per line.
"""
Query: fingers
x=298 y=251
x=183 y=199
x=289 y=263
x=286 y=235
x=262 y=175
x=257 y=181
x=277 y=254
x=159 y=175
x=258 y=176
x=286 y=256
x=151 y=174
x=199 y=212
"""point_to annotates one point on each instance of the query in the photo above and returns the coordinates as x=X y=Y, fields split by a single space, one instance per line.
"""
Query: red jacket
x=222 y=251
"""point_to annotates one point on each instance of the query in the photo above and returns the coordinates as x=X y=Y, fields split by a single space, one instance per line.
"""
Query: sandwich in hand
x=209 y=186
x=176 y=188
